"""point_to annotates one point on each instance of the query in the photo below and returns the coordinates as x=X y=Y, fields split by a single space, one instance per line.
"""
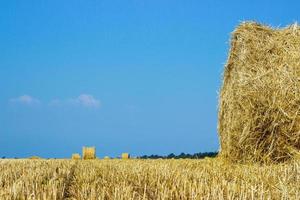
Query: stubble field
x=147 y=179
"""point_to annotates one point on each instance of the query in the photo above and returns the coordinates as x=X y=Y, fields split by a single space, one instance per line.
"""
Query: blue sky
x=125 y=76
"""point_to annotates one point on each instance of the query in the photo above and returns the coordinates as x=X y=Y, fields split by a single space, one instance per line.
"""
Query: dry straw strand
x=259 y=105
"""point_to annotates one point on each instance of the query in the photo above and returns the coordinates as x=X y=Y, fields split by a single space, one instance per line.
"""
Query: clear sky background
x=138 y=76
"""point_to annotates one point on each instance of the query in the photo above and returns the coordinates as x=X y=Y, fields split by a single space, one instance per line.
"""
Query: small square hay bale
x=88 y=153
x=125 y=155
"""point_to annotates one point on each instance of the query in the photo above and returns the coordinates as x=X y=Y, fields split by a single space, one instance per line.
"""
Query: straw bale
x=259 y=105
x=88 y=153
x=76 y=156
x=35 y=158
x=125 y=155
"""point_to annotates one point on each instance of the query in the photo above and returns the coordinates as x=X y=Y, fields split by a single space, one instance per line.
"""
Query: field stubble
x=147 y=179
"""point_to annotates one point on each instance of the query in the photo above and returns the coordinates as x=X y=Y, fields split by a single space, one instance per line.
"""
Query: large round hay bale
x=35 y=158
x=259 y=107
x=76 y=156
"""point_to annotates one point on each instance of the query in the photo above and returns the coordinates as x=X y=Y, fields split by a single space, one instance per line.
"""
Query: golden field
x=147 y=179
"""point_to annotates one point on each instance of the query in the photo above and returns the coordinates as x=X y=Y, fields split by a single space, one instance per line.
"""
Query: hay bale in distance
x=76 y=156
x=106 y=157
x=88 y=153
x=35 y=158
x=125 y=156
x=259 y=106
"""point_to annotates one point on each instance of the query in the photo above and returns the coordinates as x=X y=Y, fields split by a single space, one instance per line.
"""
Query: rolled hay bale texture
x=76 y=156
x=88 y=153
x=259 y=105
x=125 y=155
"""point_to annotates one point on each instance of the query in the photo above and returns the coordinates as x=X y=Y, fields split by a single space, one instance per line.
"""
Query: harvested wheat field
x=147 y=179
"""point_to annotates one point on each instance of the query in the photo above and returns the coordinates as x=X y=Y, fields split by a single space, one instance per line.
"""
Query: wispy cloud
x=55 y=102
x=86 y=100
x=25 y=100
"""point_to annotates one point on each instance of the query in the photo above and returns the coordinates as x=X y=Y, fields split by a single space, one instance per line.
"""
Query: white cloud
x=55 y=102
x=25 y=99
x=86 y=100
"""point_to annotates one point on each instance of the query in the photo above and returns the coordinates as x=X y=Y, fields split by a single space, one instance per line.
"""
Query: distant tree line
x=172 y=155
x=182 y=155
